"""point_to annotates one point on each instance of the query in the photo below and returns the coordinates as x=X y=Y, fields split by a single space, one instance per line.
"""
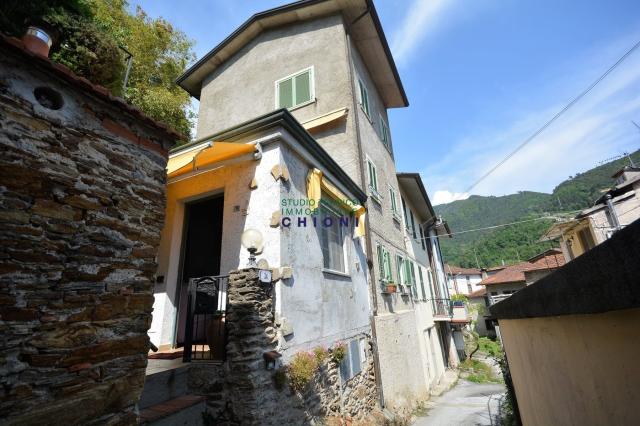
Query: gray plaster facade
x=244 y=86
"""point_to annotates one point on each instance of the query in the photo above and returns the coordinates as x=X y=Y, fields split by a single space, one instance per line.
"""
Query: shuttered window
x=384 y=133
x=295 y=90
x=364 y=97
x=424 y=293
x=384 y=263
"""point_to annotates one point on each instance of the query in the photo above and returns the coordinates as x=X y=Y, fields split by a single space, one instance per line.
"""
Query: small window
x=586 y=239
x=404 y=212
x=364 y=98
x=422 y=239
x=424 y=293
x=373 y=180
x=394 y=203
x=331 y=238
x=351 y=364
x=384 y=133
x=413 y=225
x=384 y=263
x=295 y=90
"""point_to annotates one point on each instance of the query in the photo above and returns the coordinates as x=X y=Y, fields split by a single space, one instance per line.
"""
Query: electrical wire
x=549 y=122
x=497 y=226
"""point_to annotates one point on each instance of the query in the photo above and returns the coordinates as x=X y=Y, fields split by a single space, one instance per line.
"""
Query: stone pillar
x=251 y=333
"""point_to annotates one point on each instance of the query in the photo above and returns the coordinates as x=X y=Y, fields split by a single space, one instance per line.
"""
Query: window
x=331 y=238
x=410 y=277
x=404 y=212
x=394 y=204
x=373 y=180
x=422 y=239
x=384 y=133
x=384 y=263
x=424 y=293
x=469 y=288
x=586 y=240
x=351 y=364
x=400 y=271
x=364 y=98
x=413 y=225
x=295 y=90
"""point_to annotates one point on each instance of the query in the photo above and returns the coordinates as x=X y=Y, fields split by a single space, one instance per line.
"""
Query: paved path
x=465 y=404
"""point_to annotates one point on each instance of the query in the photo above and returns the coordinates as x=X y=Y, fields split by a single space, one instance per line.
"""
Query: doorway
x=202 y=244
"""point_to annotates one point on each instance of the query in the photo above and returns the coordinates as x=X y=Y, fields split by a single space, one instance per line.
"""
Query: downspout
x=612 y=212
x=369 y=245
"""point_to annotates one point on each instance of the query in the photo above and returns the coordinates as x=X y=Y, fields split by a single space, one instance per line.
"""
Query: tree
x=91 y=36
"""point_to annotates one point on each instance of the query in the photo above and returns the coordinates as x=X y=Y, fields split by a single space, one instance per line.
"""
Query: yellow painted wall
x=576 y=369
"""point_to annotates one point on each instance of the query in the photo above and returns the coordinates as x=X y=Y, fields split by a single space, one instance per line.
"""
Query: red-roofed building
x=462 y=280
x=514 y=277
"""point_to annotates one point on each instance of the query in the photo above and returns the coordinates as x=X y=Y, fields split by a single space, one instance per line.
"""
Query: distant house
x=463 y=280
x=614 y=210
x=515 y=277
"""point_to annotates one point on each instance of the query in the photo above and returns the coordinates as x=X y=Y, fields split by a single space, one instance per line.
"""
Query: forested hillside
x=518 y=242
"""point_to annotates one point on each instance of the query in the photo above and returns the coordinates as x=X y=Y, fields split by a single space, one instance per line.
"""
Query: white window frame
x=344 y=245
x=401 y=272
x=374 y=192
x=312 y=88
x=366 y=109
x=385 y=134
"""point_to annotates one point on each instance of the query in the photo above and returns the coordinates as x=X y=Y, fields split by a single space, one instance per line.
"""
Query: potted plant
x=390 y=287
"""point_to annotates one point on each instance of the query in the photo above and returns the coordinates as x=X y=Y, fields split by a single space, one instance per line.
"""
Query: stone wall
x=81 y=208
x=251 y=390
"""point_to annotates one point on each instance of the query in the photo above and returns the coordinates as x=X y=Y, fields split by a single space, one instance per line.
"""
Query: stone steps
x=164 y=385
x=183 y=410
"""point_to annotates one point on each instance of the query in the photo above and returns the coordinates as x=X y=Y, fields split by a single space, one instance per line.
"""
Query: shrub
x=338 y=352
x=321 y=354
x=301 y=369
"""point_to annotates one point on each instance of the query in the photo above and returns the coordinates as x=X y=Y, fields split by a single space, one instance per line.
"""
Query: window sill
x=338 y=273
x=302 y=105
x=397 y=217
x=365 y=114
x=375 y=195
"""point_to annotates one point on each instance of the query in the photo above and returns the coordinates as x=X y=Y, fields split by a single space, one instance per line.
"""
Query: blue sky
x=483 y=75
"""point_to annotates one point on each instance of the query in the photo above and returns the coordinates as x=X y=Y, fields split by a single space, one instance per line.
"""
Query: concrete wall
x=321 y=306
x=244 y=87
x=575 y=369
x=243 y=209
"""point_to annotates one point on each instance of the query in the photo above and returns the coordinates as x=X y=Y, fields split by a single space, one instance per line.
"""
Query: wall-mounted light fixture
x=252 y=240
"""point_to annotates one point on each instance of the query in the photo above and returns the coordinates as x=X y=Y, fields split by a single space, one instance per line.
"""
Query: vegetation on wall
x=518 y=242
x=90 y=36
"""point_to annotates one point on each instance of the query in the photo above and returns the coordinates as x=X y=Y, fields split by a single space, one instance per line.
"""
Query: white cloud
x=444 y=197
x=598 y=127
x=423 y=16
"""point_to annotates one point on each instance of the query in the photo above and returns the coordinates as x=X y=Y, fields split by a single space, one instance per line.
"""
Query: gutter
x=368 y=245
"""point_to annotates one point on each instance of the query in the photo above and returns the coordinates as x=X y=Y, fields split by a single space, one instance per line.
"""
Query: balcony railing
x=441 y=307
x=205 y=335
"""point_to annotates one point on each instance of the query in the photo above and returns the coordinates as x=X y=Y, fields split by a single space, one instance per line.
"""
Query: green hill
x=518 y=242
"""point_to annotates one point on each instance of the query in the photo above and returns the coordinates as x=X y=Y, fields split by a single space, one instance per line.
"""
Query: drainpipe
x=369 y=245
x=612 y=212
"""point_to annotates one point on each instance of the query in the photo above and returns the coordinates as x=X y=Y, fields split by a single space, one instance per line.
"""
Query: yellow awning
x=316 y=183
x=209 y=154
x=325 y=120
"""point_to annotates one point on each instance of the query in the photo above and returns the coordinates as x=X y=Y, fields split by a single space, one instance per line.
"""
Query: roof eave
x=194 y=86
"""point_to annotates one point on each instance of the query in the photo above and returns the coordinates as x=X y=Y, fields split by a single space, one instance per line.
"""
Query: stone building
x=82 y=179
x=329 y=64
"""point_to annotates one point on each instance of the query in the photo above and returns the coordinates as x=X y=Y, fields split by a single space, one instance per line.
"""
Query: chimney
x=37 y=40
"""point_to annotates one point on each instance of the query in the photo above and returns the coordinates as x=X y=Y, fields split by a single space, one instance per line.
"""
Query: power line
x=551 y=121
x=496 y=226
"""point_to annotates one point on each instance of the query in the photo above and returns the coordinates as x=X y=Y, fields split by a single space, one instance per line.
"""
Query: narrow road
x=467 y=403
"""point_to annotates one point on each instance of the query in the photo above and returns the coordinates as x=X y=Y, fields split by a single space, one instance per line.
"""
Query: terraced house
x=324 y=66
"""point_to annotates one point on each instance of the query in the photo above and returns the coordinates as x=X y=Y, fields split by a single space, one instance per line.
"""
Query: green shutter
x=303 y=88
x=387 y=266
x=381 y=261
x=424 y=294
x=285 y=93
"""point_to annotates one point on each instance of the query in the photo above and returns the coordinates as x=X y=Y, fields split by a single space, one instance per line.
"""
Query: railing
x=205 y=335
x=441 y=307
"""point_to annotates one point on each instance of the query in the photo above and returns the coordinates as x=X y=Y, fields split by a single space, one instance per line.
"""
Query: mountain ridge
x=518 y=242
